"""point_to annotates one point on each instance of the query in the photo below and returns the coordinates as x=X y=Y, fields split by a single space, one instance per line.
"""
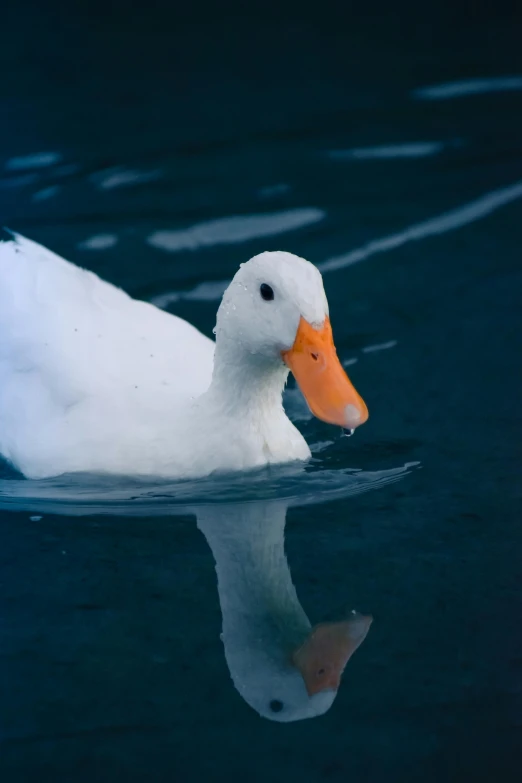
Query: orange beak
x=328 y=648
x=327 y=389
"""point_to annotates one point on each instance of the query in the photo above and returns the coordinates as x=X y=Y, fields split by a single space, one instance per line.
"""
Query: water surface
x=137 y=641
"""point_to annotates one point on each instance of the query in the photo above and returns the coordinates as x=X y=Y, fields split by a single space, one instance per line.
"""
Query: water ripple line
x=452 y=220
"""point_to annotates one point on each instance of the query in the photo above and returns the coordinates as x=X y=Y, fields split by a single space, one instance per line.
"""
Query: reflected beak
x=319 y=374
x=326 y=651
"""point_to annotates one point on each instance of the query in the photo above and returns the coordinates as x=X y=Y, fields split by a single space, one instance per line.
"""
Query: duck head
x=275 y=312
x=323 y=656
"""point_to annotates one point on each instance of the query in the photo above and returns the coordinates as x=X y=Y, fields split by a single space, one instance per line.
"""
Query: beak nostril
x=314 y=356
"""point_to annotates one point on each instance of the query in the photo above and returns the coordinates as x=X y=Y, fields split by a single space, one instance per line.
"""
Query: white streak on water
x=449 y=221
x=164 y=300
x=45 y=193
x=233 y=230
x=441 y=224
x=421 y=149
x=98 y=242
x=120 y=177
x=349 y=362
x=380 y=346
x=207 y=291
x=38 y=160
x=269 y=191
x=441 y=92
x=321 y=445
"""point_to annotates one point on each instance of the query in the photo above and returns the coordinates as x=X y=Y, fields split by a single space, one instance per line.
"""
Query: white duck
x=282 y=667
x=93 y=380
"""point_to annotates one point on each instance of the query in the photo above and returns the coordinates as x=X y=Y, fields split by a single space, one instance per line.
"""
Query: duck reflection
x=99 y=633
x=283 y=667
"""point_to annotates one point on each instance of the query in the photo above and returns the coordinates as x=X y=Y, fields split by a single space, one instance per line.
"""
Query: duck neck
x=257 y=596
x=244 y=383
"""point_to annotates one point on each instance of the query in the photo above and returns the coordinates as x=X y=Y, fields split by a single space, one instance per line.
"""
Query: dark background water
x=161 y=118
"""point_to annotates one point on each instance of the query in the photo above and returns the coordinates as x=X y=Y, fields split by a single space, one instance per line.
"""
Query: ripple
x=98 y=242
x=46 y=193
x=272 y=191
x=452 y=220
x=37 y=160
x=420 y=149
x=458 y=89
x=379 y=346
x=87 y=494
x=441 y=224
x=208 y=291
x=119 y=177
x=236 y=229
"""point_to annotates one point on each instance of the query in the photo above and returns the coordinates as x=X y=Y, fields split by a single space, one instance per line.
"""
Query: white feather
x=93 y=380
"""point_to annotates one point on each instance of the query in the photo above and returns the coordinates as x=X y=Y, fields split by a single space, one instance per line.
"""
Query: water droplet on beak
x=347 y=433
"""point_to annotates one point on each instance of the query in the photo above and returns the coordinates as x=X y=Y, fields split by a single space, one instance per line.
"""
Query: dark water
x=118 y=124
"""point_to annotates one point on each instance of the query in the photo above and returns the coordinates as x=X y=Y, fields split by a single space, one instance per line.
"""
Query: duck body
x=92 y=380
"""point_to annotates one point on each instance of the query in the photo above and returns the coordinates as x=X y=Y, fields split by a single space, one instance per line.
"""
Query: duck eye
x=276 y=705
x=266 y=291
